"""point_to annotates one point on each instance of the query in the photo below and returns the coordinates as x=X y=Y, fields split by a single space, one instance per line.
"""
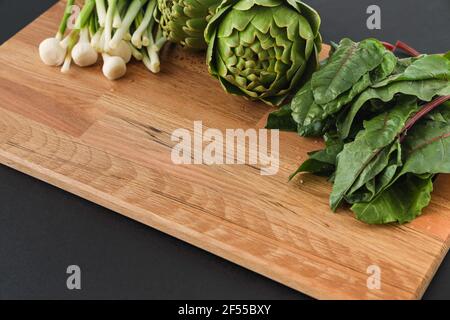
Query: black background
x=43 y=229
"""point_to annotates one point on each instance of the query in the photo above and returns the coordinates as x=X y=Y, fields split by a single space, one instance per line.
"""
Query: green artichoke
x=263 y=49
x=184 y=21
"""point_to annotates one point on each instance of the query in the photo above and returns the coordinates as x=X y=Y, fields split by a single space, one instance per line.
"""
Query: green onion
x=112 y=6
x=133 y=10
x=66 y=16
x=101 y=12
x=137 y=38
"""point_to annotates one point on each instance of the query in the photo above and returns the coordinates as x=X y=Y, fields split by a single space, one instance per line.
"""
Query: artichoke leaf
x=184 y=21
x=267 y=47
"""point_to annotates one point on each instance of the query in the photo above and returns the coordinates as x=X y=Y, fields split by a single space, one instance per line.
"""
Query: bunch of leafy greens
x=386 y=125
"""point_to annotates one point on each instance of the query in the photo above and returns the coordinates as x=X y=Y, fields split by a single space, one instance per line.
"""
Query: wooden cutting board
x=109 y=142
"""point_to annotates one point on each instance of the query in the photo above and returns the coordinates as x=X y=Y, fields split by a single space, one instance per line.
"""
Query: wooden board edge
x=168 y=227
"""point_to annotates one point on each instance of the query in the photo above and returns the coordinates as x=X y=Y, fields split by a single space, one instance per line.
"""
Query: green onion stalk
x=130 y=29
x=151 y=53
x=78 y=43
x=130 y=16
x=52 y=50
x=101 y=12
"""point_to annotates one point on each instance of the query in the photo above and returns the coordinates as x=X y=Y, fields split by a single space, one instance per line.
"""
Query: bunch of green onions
x=116 y=29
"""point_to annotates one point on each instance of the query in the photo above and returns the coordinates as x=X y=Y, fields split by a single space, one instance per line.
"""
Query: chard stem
x=423 y=112
x=406 y=48
x=388 y=46
x=401 y=46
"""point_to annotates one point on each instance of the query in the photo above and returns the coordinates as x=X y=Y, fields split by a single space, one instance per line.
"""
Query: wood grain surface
x=110 y=143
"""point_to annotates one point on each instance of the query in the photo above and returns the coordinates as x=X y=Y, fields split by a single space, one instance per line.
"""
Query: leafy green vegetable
x=360 y=157
x=347 y=65
x=427 y=152
x=386 y=124
x=401 y=203
x=427 y=145
x=313 y=118
x=184 y=21
x=428 y=67
x=322 y=162
x=425 y=90
x=282 y=119
x=377 y=174
x=263 y=49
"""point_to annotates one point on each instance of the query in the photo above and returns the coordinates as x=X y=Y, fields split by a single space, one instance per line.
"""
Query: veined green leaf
x=402 y=202
x=424 y=68
x=313 y=115
x=375 y=177
x=426 y=152
x=322 y=162
x=301 y=105
x=346 y=66
x=427 y=145
x=425 y=90
x=356 y=156
x=282 y=119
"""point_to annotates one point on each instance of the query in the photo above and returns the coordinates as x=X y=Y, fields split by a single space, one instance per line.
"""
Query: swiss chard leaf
x=377 y=174
x=383 y=145
x=427 y=153
x=424 y=68
x=322 y=162
x=378 y=133
x=319 y=168
x=282 y=119
x=346 y=66
x=385 y=69
x=425 y=90
x=402 y=202
x=302 y=103
x=427 y=145
x=313 y=118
